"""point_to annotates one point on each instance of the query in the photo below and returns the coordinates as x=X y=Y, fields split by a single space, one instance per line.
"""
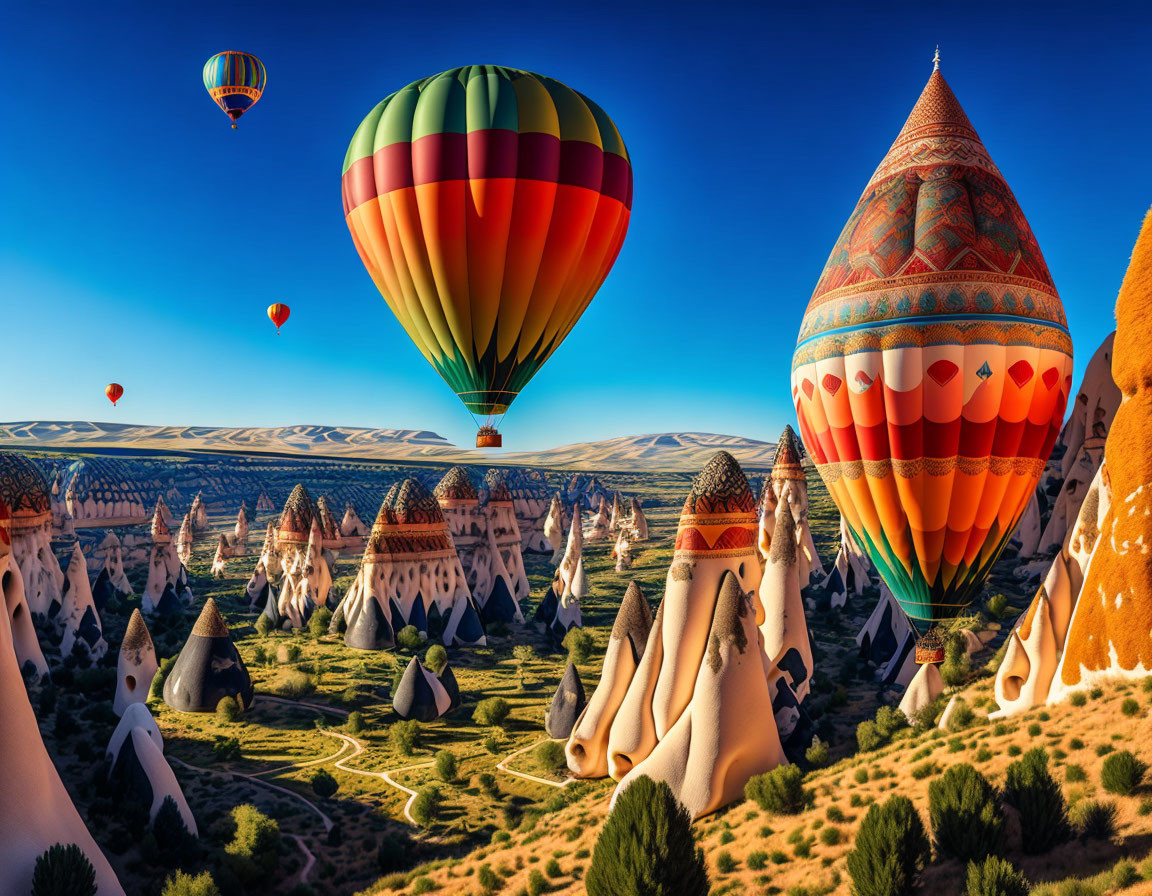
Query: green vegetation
x=324 y=785
x=156 y=690
x=891 y=850
x=263 y=625
x=1130 y=706
x=228 y=710
x=255 y=845
x=447 y=766
x=491 y=711
x=780 y=790
x=1122 y=773
x=409 y=638
x=355 y=722
x=995 y=877
x=966 y=822
x=181 y=884
x=1096 y=820
x=319 y=622
x=579 y=644
x=646 y=846
x=436 y=658
x=550 y=755
x=427 y=806
x=1031 y=790
x=64 y=871
x=405 y=736
x=956 y=666
x=817 y=753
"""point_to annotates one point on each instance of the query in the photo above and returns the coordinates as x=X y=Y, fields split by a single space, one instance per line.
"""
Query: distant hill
x=686 y=452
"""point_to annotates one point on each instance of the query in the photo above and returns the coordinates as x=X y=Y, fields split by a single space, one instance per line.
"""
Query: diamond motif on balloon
x=942 y=371
x=831 y=383
x=984 y=372
x=862 y=381
x=1051 y=377
x=807 y=386
x=1021 y=373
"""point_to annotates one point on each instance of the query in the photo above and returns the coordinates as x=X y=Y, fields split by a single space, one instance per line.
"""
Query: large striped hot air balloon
x=235 y=81
x=488 y=205
x=933 y=364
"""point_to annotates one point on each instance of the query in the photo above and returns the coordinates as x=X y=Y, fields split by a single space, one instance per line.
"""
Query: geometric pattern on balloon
x=937 y=308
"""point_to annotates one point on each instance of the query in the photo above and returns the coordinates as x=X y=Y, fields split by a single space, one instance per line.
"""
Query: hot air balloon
x=488 y=205
x=113 y=391
x=933 y=366
x=278 y=314
x=235 y=81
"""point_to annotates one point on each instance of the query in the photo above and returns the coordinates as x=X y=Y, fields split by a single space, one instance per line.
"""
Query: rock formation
x=622 y=552
x=35 y=809
x=560 y=608
x=850 y=574
x=704 y=672
x=198 y=513
x=240 y=530
x=637 y=524
x=22 y=632
x=78 y=622
x=136 y=665
x=926 y=685
x=166 y=574
x=588 y=746
x=420 y=695
x=789 y=483
x=887 y=641
x=264 y=503
x=111 y=552
x=351 y=526
x=530 y=496
x=208 y=669
x=25 y=491
x=598 y=525
x=1101 y=628
x=220 y=558
x=504 y=536
x=268 y=570
x=412 y=574
x=307 y=582
x=554 y=528
x=567 y=704
x=185 y=540
x=616 y=515
x=138 y=770
x=102 y=492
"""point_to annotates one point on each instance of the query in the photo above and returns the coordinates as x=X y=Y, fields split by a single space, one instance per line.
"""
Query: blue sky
x=141 y=239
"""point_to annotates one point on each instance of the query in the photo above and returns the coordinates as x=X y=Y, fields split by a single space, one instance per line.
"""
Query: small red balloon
x=278 y=314
x=113 y=391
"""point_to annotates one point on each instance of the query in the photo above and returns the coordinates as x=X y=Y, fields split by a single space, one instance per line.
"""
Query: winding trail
x=385 y=776
x=309 y=859
x=503 y=766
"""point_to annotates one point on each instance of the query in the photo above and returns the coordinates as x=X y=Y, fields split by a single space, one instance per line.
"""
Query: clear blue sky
x=141 y=239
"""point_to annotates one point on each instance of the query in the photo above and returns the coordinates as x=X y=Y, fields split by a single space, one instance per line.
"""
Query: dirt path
x=503 y=766
x=385 y=776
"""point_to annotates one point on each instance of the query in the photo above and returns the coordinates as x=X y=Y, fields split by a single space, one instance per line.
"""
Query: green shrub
x=446 y=766
x=579 y=644
x=890 y=851
x=995 y=877
x=817 y=753
x=646 y=846
x=491 y=744
x=550 y=755
x=489 y=881
x=1074 y=773
x=409 y=638
x=1014 y=750
x=436 y=658
x=996 y=605
x=226 y=749
x=491 y=711
x=725 y=864
x=423 y=885
x=427 y=806
x=487 y=782
x=1122 y=773
x=227 y=710
x=394 y=852
x=255 y=844
x=860 y=776
x=1096 y=693
x=537 y=884
x=1096 y=820
x=924 y=770
x=1079 y=698
x=966 y=822
x=294 y=684
x=1031 y=790
x=319 y=621
x=889 y=720
x=263 y=625
x=181 y=884
x=834 y=814
x=355 y=722
x=63 y=871
x=171 y=834
x=1075 y=744
x=156 y=689
x=1104 y=749
x=1130 y=707
x=756 y=860
x=830 y=835
x=780 y=790
x=962 y=716
x=405 y=736
x=323 y=784
x=868 y=737
x=957 y=665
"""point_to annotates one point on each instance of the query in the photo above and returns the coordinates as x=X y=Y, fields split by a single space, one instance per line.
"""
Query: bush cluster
x=1032 y=791
x=966 y=822
x=891 y=850
x=780 y=790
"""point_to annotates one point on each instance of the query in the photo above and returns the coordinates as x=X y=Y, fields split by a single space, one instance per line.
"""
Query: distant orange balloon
x=278 y=314
x=113 y=391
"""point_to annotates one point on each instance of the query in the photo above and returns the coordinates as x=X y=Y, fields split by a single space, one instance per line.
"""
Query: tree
x=263 y=625
x=891 y=850
x=156 y=690
x=323 y=784
x=319 y=621
x=523 y=654
x=356 y=722
x=181 y=884
x=966 y=822
x=172 y=835
x=995 y=877
x=255 y=844
x=409 y=638
x=491 y=711
x=579 y=645
x=436 y=659
x=426 y=806
x=446 y=766
x=1031 y=790
x=780 y=790
x=227 y=710
x=646 y=847
x=1122 y=773
x=405 y=736
x=64 y=871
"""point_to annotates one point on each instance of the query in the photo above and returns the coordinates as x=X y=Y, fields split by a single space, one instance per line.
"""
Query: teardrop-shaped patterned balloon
x=933 y=364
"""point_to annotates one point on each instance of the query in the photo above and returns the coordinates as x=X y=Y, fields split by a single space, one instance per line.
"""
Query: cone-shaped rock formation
x=209 y=668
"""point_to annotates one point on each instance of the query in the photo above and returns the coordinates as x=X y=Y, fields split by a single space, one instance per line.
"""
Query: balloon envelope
x=235 y=81
x=114 y=391
x=933 y=365
x=488 y=205
x=278 y=314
